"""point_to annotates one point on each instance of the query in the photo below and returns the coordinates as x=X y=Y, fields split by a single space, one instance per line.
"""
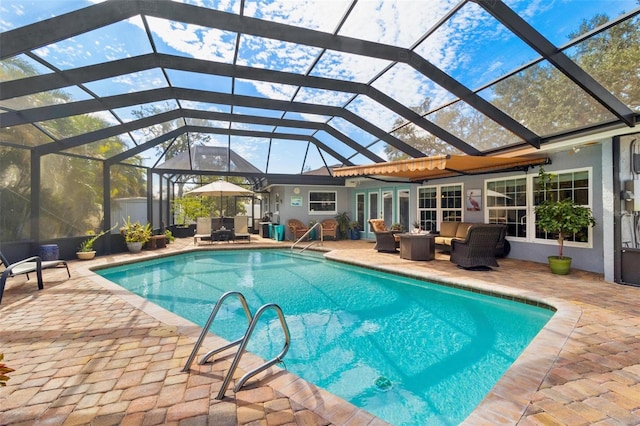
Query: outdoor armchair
x=478 y=249
x=330 y=228
x=297 y=228
x=386 y=240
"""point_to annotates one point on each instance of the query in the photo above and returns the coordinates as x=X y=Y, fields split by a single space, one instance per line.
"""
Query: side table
x=417 y=246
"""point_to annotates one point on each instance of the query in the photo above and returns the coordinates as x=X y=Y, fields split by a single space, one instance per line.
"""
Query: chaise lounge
x=26 y=266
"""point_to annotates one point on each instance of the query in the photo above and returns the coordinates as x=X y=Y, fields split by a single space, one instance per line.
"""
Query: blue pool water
x=407 y=351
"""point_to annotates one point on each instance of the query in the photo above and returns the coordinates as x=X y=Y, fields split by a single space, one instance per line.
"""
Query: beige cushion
x=448 y=229
x=463 y=228
x=378 y=225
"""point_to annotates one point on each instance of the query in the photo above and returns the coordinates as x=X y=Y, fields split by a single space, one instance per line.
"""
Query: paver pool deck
x=86 y=351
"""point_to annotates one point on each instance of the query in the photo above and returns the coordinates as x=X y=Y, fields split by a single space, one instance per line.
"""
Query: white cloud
x=322 y=97
x=397 y=23
x=195 y=41
x=321 y=15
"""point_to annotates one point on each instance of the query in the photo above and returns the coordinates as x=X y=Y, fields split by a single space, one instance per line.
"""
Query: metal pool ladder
x=306 y=234
x=242 y=342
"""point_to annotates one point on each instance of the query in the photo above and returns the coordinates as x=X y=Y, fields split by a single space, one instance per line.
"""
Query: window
x=323 y=202
x=512 y=201
x=439 y=203
x=428 y=207
x=570 y=184
x=451 y=203
x=506 y=203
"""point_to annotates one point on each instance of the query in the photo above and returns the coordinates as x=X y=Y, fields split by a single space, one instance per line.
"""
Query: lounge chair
x=297 y=228
x=330 y=228
x=26 y=266
x=478 y=250
x=241 y=228
x=203 y=229
x=386 y=240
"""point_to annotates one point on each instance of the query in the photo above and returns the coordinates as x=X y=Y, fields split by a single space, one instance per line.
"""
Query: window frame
x=554 y=240
x=322 y=212
x=439 y=208
x=526 y=208
x=530 y=217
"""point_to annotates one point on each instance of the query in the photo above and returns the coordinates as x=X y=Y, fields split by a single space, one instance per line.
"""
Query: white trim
x=530 y=215
x=439 y=208
x=531 y=229
x=322 y=212
x=608 y=225
x=526 y=207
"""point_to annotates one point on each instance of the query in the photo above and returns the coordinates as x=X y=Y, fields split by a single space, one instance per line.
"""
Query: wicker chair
x=478 y=250
x=385 y=239
x=330 y=228
x=297 y=228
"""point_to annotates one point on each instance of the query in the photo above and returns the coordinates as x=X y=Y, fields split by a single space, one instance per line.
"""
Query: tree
x=63 y=212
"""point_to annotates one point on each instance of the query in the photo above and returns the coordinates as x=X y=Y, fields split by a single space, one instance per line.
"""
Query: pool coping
x=506 y=402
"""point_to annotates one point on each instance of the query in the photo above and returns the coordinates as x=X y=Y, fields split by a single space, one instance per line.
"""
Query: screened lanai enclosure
x=107 y=101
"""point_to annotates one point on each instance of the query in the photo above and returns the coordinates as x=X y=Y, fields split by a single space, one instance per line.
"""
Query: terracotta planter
x=559 y=266
x=86 y=255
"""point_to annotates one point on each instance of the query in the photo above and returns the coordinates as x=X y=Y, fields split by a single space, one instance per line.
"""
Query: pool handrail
x=245 y=340
x=317 y=225
x=207 y=326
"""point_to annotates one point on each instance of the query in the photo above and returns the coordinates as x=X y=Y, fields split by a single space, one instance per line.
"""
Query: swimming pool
x=407 y=351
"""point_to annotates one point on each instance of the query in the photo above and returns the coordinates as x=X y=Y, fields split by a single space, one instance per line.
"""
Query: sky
x=472 y=48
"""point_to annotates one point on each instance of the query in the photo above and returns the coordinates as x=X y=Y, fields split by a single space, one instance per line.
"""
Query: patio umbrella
x=221 y=188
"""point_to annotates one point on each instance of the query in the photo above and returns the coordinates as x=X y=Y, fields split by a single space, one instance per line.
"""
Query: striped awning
x=425 y=168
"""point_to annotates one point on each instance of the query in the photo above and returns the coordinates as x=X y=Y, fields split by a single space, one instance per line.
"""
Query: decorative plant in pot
x=135 y=234
x=4 y=369
x=354 y=230
x=397 y=227
x=561 y=217
x=343 y=224
x=85 y=250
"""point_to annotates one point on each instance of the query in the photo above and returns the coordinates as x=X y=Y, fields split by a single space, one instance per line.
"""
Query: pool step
x=242 y=342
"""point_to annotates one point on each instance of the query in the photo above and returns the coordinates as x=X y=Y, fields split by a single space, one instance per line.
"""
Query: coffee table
x=417 y=246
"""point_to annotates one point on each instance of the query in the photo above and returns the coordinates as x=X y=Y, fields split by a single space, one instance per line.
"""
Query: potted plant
x=397 y=227
x=85 y=250
x=561 y=217
x=343 y=224
x=3 y=371
x=135 y=234
x=354 y=230
x=416 y=227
